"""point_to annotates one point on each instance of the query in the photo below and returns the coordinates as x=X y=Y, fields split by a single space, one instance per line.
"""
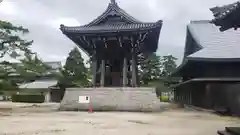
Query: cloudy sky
x=43 y=17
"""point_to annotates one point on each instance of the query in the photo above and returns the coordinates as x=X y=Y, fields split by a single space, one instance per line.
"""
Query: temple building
x=114 y=41
x=210 y=68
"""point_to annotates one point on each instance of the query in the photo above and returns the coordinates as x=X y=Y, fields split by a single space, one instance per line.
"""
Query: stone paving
x=27 y=119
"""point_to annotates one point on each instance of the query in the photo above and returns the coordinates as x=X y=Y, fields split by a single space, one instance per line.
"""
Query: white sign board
x=84 y=99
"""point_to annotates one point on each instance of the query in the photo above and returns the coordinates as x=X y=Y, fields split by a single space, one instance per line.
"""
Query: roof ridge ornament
x=113 y=2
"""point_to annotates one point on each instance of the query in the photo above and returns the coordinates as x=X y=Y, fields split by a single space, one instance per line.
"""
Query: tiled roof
x=102 y=24
x=113 y=9
x=39 y=84
x=54 y=64
x=110 y=27
x=215 y=44
x=221 y=14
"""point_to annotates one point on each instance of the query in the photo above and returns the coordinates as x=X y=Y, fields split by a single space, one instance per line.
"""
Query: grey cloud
x=51 y=44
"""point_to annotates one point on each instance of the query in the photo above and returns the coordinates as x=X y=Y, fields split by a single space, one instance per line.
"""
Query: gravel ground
x=29 y=119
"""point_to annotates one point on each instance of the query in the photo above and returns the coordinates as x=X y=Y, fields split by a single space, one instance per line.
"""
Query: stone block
x=139 y=99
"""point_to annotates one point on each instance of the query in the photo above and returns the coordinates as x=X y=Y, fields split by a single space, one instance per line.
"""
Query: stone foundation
x=111 y=99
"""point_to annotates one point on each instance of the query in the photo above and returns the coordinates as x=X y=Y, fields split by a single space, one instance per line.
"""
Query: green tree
x=31 y=68
x=168 y=65
x=155 y=71
x=74 y=73
x=13 y=45
x=150 y=68
x=11 y=42
x=6 y=81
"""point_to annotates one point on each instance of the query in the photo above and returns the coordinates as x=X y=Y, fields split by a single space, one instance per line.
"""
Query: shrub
x=164 y=98
x=28 y=98
x=1 y=93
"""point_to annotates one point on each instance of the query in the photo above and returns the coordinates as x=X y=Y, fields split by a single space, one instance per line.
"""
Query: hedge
x=164 y=98
x=28 y=98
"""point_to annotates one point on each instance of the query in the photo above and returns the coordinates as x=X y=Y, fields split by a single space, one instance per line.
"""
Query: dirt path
x=28 y=121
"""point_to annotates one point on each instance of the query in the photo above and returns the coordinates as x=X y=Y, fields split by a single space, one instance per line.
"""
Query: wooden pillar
x=102 y=81
x=175 y=95
x=185 y=97
x=182 y=98
x=125 y=68
x=134 y=72
x=190 y=97
x=94 y=71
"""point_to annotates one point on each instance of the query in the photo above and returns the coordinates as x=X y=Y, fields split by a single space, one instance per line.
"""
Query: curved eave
x=225 y=23
x=156 y=35
x=194 y=36
x=152 y=39
x=214 y=59
x=188 y=60
x=87 y=31
x=84 y=49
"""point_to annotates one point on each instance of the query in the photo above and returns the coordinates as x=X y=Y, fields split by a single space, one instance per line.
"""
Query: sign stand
x=90 y=110
x=86 y=100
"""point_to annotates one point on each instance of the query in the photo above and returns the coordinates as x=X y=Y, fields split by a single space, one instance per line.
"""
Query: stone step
x=233 y=130
x=223 y=133
x=116 y=99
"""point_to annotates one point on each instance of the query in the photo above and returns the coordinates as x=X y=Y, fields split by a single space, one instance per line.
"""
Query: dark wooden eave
x=113 y=23
x=110 y=28
x=227 y=16
x=207 y=80
x=80 y=35
x=188 y=64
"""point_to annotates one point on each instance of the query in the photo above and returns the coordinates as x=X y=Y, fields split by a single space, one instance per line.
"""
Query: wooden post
x=190 y=93
x=102 y=81
x=125 y=72
x=174 y=95
x=181 y=96
x=94 y=71
x=134 y=72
